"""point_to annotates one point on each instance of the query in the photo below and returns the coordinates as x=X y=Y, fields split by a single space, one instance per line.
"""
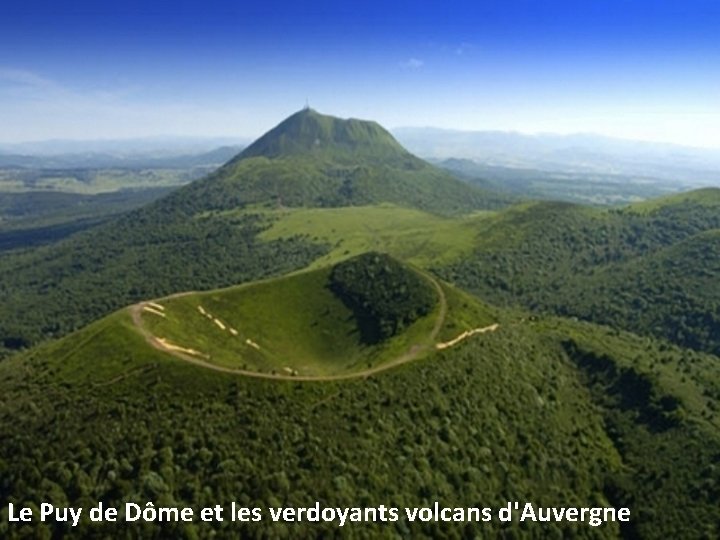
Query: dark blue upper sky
x=86 y=69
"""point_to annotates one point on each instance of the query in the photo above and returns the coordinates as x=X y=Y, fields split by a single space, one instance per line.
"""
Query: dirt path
x=414 y=352
x=465 y=335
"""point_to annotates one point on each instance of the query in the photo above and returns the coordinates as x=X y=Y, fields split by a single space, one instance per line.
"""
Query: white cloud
x=21 y=77
x=413 y=63
x=20 y=84
x=26 y=86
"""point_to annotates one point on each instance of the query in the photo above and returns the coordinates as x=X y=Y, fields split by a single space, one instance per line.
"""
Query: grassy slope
x=408 y=234
x=308 y=132
x=301 y=327
x=660 y=405
x=297 y=322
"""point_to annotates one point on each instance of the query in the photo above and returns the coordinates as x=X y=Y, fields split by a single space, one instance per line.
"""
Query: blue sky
x=89 y=69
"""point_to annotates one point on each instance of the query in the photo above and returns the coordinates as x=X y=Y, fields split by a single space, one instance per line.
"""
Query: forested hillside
x=547 y=411
x=55 y=289
x=649 y=268
x=314 y=160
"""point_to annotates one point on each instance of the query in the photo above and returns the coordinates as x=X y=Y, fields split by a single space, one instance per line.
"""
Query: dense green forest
x=58 y=288
x=384 y=295
x=649 y=268
x=548 y=411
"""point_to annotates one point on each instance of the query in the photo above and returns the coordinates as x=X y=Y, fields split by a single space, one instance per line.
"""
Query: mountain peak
x=314 y=160
x=309 y=132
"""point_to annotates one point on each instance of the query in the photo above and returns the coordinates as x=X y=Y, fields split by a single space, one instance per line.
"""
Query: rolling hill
x=649 y=268
x=541 y=409
x=314 y=160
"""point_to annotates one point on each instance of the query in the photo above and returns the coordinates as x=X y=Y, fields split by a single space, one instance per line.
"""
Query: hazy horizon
x=643 y=71
x=212 y=141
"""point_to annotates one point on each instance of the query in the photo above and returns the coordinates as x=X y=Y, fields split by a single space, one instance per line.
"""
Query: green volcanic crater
x=357 y=316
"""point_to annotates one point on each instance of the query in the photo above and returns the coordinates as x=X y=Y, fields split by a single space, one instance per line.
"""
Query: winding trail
x=413 y=353
x=465 y=335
